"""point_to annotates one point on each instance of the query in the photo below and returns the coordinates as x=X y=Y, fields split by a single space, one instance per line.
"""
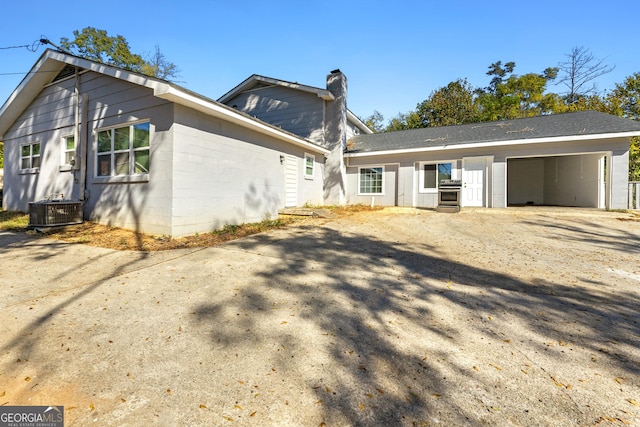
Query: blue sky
x=394 y=54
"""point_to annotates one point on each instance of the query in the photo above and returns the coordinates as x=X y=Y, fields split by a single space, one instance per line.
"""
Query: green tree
x=375 y=122
x=1 y=155
x=404 y=121
x=514 y=96
x=627 y=94
x=499 y=72
x=452 y=104
x=96 y=45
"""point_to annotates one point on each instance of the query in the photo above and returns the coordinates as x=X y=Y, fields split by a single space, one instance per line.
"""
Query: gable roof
x=581 y=125
x=52 y=62
x=256 y=81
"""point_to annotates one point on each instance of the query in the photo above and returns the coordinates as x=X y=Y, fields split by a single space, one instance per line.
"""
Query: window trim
x=313 y=166
x=382 y=187
x=123 y=178
x=64 y=165
x=421 y=187
x=31 y=169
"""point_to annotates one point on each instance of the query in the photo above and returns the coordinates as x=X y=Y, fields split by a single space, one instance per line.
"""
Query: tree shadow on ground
x=591 y=233
x=381 y=347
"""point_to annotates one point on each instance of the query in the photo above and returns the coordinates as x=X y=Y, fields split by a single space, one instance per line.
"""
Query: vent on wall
x=67 y=71
x=49 y=213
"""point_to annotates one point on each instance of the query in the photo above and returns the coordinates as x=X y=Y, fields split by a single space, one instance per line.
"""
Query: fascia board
x=108 y=70
x=554 y=139
x=322 y=93
x=39 y=75
x=358 y=122
x=172 y=94
x=27 y=90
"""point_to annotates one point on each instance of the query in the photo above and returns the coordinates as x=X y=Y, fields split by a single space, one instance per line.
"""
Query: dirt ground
x=104 y=236
x=512 y=317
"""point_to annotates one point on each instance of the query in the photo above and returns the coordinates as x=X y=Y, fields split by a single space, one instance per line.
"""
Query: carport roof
x=558 y=127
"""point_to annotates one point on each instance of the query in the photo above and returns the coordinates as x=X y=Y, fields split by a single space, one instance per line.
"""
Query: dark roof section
x=556 y=125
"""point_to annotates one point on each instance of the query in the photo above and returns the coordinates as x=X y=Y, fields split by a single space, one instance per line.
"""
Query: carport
x=575 y=180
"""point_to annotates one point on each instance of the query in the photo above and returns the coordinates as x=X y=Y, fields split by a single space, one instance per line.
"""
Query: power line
x=25 y=72
x=33 y=46
x=15 y=47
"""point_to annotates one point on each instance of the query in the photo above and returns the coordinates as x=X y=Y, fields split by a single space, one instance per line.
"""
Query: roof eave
x=485 y=144
x=359 y=123
x=249 y=82
x=51 y=62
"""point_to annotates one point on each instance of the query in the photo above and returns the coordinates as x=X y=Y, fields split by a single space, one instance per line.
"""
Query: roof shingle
x=556 y=125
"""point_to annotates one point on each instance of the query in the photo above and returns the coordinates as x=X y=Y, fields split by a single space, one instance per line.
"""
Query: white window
x=123 y=150
x=371 y=181
x=30 y=156
x=309 y=165
x=432 y=173
x=68 y=150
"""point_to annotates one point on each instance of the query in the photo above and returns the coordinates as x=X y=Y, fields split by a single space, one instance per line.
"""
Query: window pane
x=35 y=162
x=104 y=165
x=26 y=151
x=104 y=141
x=141 y=135
x=371 y=180
x=444 y=171
x=121 y=139
x=71 y=144
x=430 y=176
x=122 y=163
x=25 y=163
x=68 y=156
x=35 y=150
x=308 y=165
x=141 y=161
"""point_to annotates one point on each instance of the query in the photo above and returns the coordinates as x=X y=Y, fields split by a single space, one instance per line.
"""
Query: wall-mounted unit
x=48 y=213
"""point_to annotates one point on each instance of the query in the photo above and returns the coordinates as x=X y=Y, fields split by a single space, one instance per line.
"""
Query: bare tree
x=579 y=71
x=157 y=65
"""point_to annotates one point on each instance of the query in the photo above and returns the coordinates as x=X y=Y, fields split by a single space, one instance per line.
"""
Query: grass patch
x=93 y=234
x=13 y=221
x=351 y=209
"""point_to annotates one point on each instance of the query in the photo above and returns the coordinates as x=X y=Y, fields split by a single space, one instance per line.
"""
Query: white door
x=473 y=177
x=290 y=181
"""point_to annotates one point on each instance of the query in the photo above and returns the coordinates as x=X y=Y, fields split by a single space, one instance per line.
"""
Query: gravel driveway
x=505 y=317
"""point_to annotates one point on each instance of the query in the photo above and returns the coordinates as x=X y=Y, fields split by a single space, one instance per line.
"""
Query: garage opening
x=572 y=180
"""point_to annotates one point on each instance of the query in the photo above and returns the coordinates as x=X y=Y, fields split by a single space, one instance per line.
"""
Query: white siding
x=389 y=198
x=142 y=206
x=225 y=174
x=45 y=121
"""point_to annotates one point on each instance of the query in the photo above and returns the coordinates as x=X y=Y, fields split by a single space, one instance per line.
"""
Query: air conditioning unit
x=48 y=213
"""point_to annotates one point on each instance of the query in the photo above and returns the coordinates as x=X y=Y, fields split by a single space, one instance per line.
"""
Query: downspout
x=83 y=150
x=80 y=136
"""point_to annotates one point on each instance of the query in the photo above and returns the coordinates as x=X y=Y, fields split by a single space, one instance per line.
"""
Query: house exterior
x=149 y=155
x=318 y=115
x=145 y=154
x=575 y=159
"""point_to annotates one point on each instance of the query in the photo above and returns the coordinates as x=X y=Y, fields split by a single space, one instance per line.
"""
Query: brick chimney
x=335 y=139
